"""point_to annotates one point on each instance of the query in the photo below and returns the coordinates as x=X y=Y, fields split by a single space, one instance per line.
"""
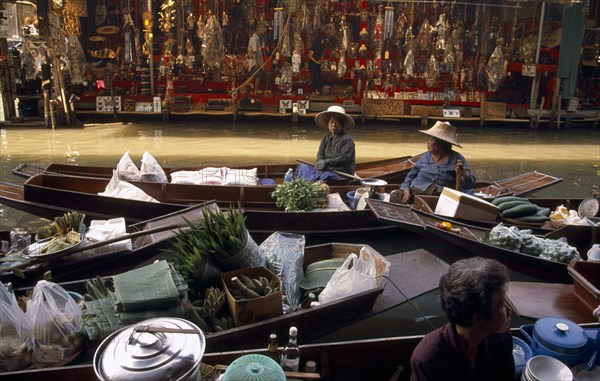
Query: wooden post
x=482 y=109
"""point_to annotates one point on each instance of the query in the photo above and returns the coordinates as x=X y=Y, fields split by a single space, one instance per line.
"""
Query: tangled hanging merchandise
x=101 y=12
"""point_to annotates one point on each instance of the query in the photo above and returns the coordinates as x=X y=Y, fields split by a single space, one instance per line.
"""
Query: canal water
x=492 y=152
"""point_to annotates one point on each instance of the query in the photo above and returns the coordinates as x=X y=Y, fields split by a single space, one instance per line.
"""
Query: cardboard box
x=257 y=309
x=586 y=281
x=455 y=204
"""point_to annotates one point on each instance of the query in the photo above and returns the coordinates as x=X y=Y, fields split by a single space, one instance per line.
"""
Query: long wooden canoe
x=427 y=205
x=520 y=185
x=414 y=273
x=262 y=215
x=147 y=239
x=473 y=240
x=367 y=359
x=392 y=170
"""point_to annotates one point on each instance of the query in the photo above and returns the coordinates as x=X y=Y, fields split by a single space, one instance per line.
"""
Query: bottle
x=273 y=349
x=306 y=303
x=291 y=361
x=289 y=175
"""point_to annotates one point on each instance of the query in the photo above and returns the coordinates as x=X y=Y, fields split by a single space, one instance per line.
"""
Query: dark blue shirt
x=426 y=172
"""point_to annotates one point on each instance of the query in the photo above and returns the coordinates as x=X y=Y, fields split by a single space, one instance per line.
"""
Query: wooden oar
x=79 y=249
x=457 y=185
x=344 y=174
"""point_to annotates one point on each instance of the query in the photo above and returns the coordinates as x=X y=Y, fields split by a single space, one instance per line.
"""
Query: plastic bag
x=151 y=170
x=285 y=257
x=15 y=346
x=55 y=318
x=127 y=170
x=122 y=189
x=356 y=274
x=507 y=238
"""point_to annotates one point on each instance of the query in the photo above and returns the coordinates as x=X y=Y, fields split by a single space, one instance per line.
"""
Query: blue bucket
x=521 y=354
x=352 y=199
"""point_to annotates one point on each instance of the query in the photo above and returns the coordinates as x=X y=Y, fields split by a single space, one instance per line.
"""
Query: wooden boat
x=427 y=205
x=147 y=239
x=519 y=185
x=262 y=215
x=414 y=272
x=367 y=359
x=473 y=240
x=392 y=170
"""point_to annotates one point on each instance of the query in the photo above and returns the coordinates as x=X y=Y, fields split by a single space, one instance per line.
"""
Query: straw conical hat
x=443 y=131
x=322 y=118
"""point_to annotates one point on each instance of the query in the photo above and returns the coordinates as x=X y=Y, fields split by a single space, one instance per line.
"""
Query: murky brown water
x=493 y=153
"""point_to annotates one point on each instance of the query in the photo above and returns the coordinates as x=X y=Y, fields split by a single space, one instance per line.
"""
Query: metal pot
x=154 y=349
x=559 y=338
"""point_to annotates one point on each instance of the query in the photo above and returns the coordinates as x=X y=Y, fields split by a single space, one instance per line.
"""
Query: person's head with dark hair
x=473 y=290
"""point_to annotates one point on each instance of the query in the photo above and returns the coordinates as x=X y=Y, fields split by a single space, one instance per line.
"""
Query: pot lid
x=154 y=349
x=560 y=335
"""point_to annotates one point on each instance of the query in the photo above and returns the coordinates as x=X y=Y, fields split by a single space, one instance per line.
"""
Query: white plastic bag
x=151 y=170
x=122 y=189
x=127 y=169
x=55 y=318
x=356 y=274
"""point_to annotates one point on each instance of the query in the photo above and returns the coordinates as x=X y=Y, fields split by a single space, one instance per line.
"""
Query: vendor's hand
x=405 y=196
x=320 y=165
x=459 y=168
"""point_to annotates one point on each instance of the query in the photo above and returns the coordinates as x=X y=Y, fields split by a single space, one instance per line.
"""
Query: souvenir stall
x=400 y=58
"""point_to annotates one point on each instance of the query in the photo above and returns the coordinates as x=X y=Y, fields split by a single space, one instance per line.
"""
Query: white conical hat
x=443 y=131
x=322 y=118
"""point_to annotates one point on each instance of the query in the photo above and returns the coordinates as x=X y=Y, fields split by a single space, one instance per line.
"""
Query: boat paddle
x=457 y=185
x=78 y=249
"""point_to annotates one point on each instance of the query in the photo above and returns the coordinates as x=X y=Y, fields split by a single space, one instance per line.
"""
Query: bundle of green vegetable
x=219 y=242
x=300 y=195
x=521 y=209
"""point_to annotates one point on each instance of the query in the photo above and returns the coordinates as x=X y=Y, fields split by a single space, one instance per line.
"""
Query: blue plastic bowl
x=521 y=354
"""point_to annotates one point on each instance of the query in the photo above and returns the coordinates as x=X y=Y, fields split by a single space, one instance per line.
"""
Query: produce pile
x=511 y=238
x=521 y=209
x=300 y=195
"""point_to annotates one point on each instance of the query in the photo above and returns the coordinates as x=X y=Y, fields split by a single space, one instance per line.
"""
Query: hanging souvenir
x=388 y=22
x=424 y=36
x=76 y=58
x=341 y=66
x=378 y=28
x=448 y=59
x=316 y=24
x=346 y=33
x=431 y=73
x=409 y=64
x=286 y=47
x=401 y=29
x=296 y=62
x=212 y=45
x=166 y=16
x=496 y=68
x=200 y=24
x=441 y=32
x=101 y=12
x=304 y=17
x=278 y=21
x=190 y=53
x=190 y=21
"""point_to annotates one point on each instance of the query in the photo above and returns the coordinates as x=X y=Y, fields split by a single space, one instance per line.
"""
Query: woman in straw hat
x=336 y=151
x=476 y=343
x=439 y=167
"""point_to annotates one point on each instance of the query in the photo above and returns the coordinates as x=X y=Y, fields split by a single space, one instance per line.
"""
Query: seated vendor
x=437 y=168
x=336 y=151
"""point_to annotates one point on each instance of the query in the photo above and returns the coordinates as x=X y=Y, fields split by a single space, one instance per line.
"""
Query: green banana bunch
x=244 y=287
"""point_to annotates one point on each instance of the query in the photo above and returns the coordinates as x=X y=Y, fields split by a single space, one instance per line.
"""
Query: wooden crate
x=495 y=110
x=419 y=110
x=383 y=107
